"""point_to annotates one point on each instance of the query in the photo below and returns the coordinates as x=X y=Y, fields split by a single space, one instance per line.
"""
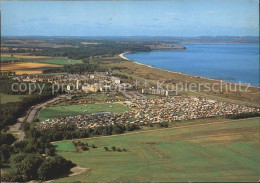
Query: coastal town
x=129 y=91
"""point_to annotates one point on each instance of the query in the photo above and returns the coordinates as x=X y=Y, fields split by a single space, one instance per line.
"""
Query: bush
x=54 y=167
x=163 y=125
x=114 y=148
x=84 y=148
x=93 y=146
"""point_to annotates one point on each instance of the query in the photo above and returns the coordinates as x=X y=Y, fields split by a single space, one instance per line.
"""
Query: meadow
x=8 y=57
x=65 y=146
x=59 y=61
x=211 y=152
x=73 y=110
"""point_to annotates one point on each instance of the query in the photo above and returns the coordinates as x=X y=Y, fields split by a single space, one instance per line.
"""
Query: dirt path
x=14 y=129
x=77 y=170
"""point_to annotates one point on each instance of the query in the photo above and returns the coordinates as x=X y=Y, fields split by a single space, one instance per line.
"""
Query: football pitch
x=218 y=151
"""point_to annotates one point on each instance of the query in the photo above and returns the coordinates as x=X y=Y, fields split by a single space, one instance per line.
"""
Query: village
x=74 y=83
x=152 y=111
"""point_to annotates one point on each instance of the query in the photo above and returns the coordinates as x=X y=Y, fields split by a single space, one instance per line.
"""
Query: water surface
x=228 y=62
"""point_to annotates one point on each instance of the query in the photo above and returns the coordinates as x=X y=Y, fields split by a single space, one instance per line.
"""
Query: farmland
x=215 y=151
x=26 y=67
x=59 y=61
x=73 y=110
x=19 y=56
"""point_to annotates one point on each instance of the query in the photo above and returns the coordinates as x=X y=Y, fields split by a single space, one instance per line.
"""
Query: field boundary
x=176 y=127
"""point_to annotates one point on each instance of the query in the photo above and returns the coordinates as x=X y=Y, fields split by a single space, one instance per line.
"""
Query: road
x=39 y=106
x=14 y=129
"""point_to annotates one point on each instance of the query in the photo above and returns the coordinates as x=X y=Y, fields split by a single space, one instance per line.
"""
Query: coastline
x=180 y=73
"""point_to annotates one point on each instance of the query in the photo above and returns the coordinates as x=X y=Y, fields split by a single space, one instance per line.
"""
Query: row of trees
x=82 y=68
x=84 y=51
x=10 y=112
x=69 y=131
x=243 y=115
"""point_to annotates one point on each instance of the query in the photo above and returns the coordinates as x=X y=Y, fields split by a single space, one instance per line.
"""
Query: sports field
x=73 y=110
x=59 y=61
x=222 y=151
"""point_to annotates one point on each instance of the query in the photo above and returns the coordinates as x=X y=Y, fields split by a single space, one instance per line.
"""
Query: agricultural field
x=5 y=98
x=73 y=110
x=19 y=56
x=207 y=152
x=59 y=61
x=26 y=67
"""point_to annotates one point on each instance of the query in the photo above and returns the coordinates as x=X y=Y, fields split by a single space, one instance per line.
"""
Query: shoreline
x=180 y=73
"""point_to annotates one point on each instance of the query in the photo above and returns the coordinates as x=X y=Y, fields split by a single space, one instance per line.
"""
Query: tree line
x=69 y=131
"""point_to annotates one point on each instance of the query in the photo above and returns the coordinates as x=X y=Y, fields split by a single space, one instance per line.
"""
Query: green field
x=5 y=98
x=59 y=61
x=64 y=146
x=5 y=58
x=73 y=110
x=224 y=151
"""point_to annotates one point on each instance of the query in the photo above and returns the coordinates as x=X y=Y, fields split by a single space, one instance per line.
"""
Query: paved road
x=14 y=129
x=37 y=107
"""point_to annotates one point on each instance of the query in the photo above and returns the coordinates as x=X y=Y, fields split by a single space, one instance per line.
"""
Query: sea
x=237 y=63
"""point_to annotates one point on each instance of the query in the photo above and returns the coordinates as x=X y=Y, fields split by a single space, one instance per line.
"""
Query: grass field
x=26 y=67
x=5 y=98
x=223 y=151
x=73 y=110
x=8 y=57
x=59 y=61
x=64 y=146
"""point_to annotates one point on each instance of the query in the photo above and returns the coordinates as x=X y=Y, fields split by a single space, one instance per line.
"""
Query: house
x=115 y=80
x=91 y=88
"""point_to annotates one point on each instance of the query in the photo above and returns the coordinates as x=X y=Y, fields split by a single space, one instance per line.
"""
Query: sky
x=179 y=18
